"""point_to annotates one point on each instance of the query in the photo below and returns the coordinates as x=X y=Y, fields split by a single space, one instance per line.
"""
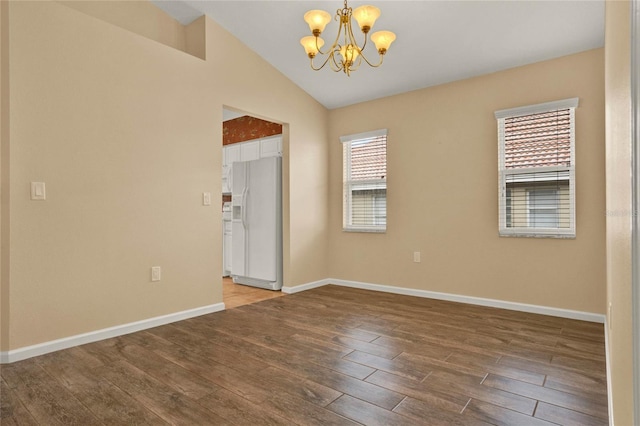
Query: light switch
x=206 y=198
x=38 y=191
x=155 y=273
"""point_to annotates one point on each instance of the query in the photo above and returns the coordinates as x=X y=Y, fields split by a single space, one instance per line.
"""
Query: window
x=543 y=208
x=365 y=181
x=380 y=209
x=536 y=149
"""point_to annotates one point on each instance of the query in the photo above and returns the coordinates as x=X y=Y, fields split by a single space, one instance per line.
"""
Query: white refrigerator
x=256 y=256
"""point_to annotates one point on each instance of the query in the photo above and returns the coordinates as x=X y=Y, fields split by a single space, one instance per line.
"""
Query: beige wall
x=619 y=207
x=125 y=132
x=141 y=17
x=442 y=191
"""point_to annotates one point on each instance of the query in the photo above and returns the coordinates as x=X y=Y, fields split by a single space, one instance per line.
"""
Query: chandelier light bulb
x=366 y=17
x=383 y=40
x=317 y=20
x=349 y=53
x=311 y=46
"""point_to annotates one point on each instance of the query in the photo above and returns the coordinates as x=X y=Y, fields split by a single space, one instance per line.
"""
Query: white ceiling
x=437 y=41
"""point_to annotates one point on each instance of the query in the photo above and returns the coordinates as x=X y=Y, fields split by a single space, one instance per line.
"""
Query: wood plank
x=106 y=401
x=560 y=415
x=340 y=382
x=489 y=364
x=552 y=396
x=596 y=393
x=12 y=411
x=434 y=414
x=164 y=401
x=563 y=374
x=455 y=401
x=211 y=351
x=596 y=367
x=446 y=382
x=426 y=363
x=223 y=376
x=279 y=380
x=370 y=348
x=365 y=391
x=173 y=375
x=47 y=401
x=394 y=366
x=367 y=414
x=500 y=416
x=574 y=345
x=239 y=410
x=413 y=344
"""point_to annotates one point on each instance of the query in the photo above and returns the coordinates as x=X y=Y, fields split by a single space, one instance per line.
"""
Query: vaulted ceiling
x=437 y=41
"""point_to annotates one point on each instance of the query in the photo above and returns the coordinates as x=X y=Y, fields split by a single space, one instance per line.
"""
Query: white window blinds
x=365 y=181
x=536 y=146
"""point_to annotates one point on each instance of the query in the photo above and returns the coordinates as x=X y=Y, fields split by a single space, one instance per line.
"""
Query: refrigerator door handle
x=229 y=177
x=245 y=191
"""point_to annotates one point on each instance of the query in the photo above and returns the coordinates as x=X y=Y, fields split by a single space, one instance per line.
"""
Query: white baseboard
x=105 y=333
x=307 y=286
x=81 y=339
x=514 y=306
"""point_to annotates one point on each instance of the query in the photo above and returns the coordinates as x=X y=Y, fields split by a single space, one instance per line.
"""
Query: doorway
x=246 y=138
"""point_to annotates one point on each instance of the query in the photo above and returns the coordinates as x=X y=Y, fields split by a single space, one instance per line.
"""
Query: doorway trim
x=635 y=146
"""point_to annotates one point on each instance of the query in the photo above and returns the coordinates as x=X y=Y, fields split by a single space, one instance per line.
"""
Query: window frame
x=503 y=173
x=347 y=198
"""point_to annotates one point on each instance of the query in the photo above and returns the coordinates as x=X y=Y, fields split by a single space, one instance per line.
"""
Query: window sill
x=520 y=234
x=365 y=230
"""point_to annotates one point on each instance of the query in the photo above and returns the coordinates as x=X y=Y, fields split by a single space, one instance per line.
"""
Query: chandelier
x=345 y=54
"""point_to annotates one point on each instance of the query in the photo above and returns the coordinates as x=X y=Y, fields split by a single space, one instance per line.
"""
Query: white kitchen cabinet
x=271 y=147
x=226 y=179
x=227 y=244
x=231 y=154
x=250 y=151
x=227 y=241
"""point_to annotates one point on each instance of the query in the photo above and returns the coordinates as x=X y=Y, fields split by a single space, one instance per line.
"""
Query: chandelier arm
x=321 y=66
x=347 y=39
x=335 y=66
x=352 y=37
x=366 y=38
x=370 y=64
x=355 y=66
x=318 y=48
x=335 y=42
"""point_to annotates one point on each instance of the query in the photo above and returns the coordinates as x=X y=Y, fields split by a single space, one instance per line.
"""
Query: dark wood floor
x=327 y=356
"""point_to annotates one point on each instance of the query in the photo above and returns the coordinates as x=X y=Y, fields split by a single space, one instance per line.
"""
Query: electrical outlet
x=416 y=256
x=155 y=273
x=206 y=198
